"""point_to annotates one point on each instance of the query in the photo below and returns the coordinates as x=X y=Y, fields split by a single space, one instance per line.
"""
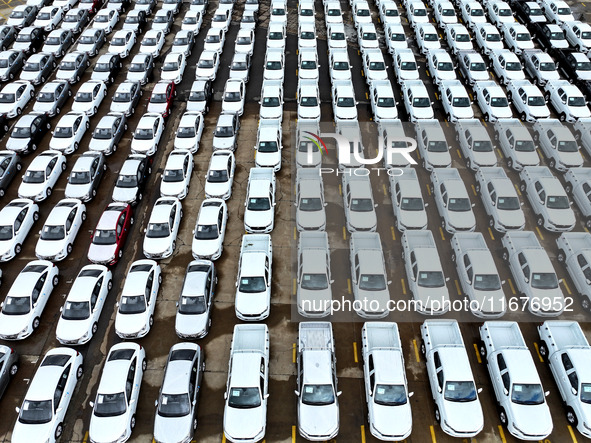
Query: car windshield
x=477 y=66
x=421 y=102
x=132 y=304
x=16 y=306
x=463 y=38
x=275 y=35
x=104 y=237
x=361 y=205
x=370 y=36
x=445 y=66
x=269 y=146
x=431 y=279
x=244 y=398
x=122 y=97
x=377 y=66
x=318 y=395
x=461 y=102
x=308 y=64
x=310 y=204
x=564 y=11
x=584 y=66
x=127 y=181
x=110 y=405
x=508 y=203
x=102 y=134
x=244 y=41
x=586 y=35
x=63 y=132
x=460 y=391
x=437 y=146
x=220 y=18
x=557 y=36
x=53 y=232
x=84 y=97
x=586 y=393
x=206 y=232
x=314 y=282
x=273 y=65
x=309 y=101
x=482 y=146
x=346 y=102
x=170 y=66
x=239 y=66
x=185 y=132
x=143 y=134
x=477 y=12
x=177 y=405
x=419 y=12
x=544 y=280
x=80 y=177
x=76 y=310
x=52 y=41
x=372 y=282
x=386 y=102
x=212 y=39
x=180 y=41
x=523 y=37
x=118 y=41
x=527 y=394
x=101 y=18
x=31 y=67
x=306 y=12
x=390 y=395
x=102 y=67
x=88 y=39
x=524 y=146
x=205 y=63
x=36 y=412
x=5 y=232
x=252 y=285
x=505 y=12
x=232 y=97
x=334 y=12
x=271 y=102
x=337 y=36
x=3 y=63
x=259 y=204
x=536 y=101
x=217 y=176
x=192 y=305
x=158 y=230
x=397 y=37
x=557 y=202
x=132 y=19
x=173 y=176
x=459 y=205
x=576 y=101
x=20 y=132
x=493 y=37
x=24 y=38
x=224 y=131
x=46 y=97
x=568 y=146
x=513 y=66
x=306 y=35
x=487 y=282
x=340 y=66
x=161 y=19
x=149 y=41
x=7 y=98
x=34 y=177
x=430 y=37
x=158 y=97
x=412 y=204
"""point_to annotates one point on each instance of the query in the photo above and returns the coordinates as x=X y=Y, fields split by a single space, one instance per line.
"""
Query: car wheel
x=194 y=424
x=35 y=216
x=468 y=164
x=423 y=348
x=19 y=111
x=509 y=163
x=77 y=78
x=17 y=249
x=543 y=349
x=76 y=146
x=13 y=369
x=120 y=254
x=55 y=280
x=36 y=323
x=486 y=117
x=522 y=187
x=6 y=130
x=139 y=197
x=110 y=285
x=87 y=125
x=111 y=80
x=69 y=249
x=80 y=370
x=562 y=117
x=505 y=255
x=503 y=417
x=540 y=221
x=48 y=192
x=523 y=117
x=11 y=76
x=84 y=214
x=93 y=193
x=586 y=303
x=42 y=79
x=2 y=192
x=571 y=417
x=94 y=110
x=132 y=422
x=437 y=415
x=491 y=222
x=144 y=365
x=482 y=349
x=131 y=221
x=160 y=279
x=59 y=430
x=173 y=245
x=151 y=320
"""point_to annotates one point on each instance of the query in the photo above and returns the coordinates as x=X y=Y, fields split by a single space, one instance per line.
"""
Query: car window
x=130 y=379
x=38 y=288
x=149 y=284
x=61 y=386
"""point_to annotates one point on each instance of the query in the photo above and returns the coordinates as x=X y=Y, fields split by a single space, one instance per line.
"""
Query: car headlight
x=24 y=331
x=40 y=195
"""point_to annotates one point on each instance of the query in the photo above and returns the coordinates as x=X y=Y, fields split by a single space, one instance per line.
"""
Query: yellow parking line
x=294 y=286
x=459 y=153
x=223 y=438
x=538 y=352
x=403 y=286
x=296 y=72
x=477 y=353
x=517 y=189
x=572 y=434
x=470 y=95
x=474 y=190
x=293 y=434
x=458 y=287
x=340 y=189
x=355 y=352
x=433 y=439
x=503 y=439
x=446 y=123
x=491 y=233
x=583 y=4
x=585 y=228
x=417 y=355
x=85 y=439
x=344 y=233
x=385 y=191
x=362 y=73
x=362 y=434
x=539 y=233
x=428 y=75
x=511 y=286
x=441 y=232
x=418 y=155
x=500 y=153
x=349 y=285
x=294 y=353
x=428 y=188
x=485 y=125
x=295 y=233
x=436 y=96
x=393 y=233
x=566 y=287
x=366 y=96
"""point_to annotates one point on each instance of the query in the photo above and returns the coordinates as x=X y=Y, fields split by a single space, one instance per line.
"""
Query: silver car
x=8 y=366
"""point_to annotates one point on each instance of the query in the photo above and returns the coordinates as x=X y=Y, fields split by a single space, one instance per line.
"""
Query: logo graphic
x=318 y=142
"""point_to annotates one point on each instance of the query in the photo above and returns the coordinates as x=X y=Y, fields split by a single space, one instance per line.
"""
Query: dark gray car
x=10 y=164
x=11 y=63
x=108 y=133
x=86 y=176
x=38 y=68
x=8 y=366
x=7 y=36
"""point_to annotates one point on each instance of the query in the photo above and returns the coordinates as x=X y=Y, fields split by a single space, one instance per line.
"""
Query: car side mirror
x=375 y=205
x=266 y=396
x=389 y=282
x=413 y=278
x=297 y=393
x=145 y=230
x=574 y=391
x=446 y=278
x=426 y=205
x=546 y=394
x=439 y=389
x=339 y=393
x=526 y=279
x=61 y=309
x=132 y=401
x=116 y=304
x=18 y=410
x=473 y=204
x=505 y=391
x=468 y=281
x=479 y=390
x=156 y=403
x=91 y=404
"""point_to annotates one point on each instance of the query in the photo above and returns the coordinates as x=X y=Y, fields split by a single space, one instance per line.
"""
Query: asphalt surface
x=282 y=414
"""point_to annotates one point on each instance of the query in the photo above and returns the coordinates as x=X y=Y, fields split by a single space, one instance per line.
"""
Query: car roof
x=254 y=265
x=83 y=286
x=208 y=213
x=46 y=378
x=58 y=214
x=521 y=369
x=84 y=162
x=69 y=119
x=9 y=212
x=152 y=33
x=219 y=160
x=130 y=166
x=176 y=159
x=161 y=211
x=388 y=366
x=110 y=216
x=41 y=161
x=114 y=375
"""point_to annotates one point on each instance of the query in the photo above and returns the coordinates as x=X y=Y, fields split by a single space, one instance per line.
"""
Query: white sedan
x=152 y=43
x=176 y=176
x=69 y=131
x=122 y=43
x=16 y=220
x=41 y=175
x=207 y=66
x=163 y=227
x=89 y=97
x=189 y=131
x=183 y=42
x=49 y=17
x=173 y=67
x=210 y=229
x=61 y=227
x=26 y=299
x=192 y=21
x=80 y=314
x=147 y=134
x=135 y=309
x=14 y=97
x=234 y=97
x=220 y=174
x=106 y=19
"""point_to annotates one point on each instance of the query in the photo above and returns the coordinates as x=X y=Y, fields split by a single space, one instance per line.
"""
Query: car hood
x=463 y=417
x=423 y=112
x=271 y=112
x=82 y=106
x=318 y=420
x=70 y=330
x=513 y=219
x=157 y=107
x=197 y=106
x=172 y=188
x=346 y=113
x=131 y=323
x=193 y=325
x=170 y=75
x=392 y=421
x=268 y=159
x=30 y=190
x=431 y=298
x=413 y=219
x=49 y=248
x=18 y=46
x=580 y=112
x=438 y=159
x=25 y=433
x=64 y=75
x=156 y=245
x=17 y=144
x=120 y=107
x=223 y=142
x=311 y=219
x=185 y=143
x=461 y=220
x=532 y=419
x=490 y=302
x=564 y=217
x=242 y=424
x=258 y=218
x=13 y=324
x=206 y=248
x=369 y=297
x=6 y=246
x=29 y=75
x=362 y=220
x=77 y=191
x=101 y=253
x=142 y=145
x=217 y=189
x=7 y=108
x=484 y=158
x=107 y=429
x=125 y=195
x=99 y=145
x=527 y=158
x=96 y=75
x=85 y=47
x=44 y=106
x=309 y=112
x=136 y=76
x=60 y=144
x=172 y=429
x=314 y=299
x=252 y=304
x=386 y=113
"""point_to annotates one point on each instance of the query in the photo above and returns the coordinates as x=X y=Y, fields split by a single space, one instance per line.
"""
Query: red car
x=91 y=5
x=110 y=234
x=161 y=99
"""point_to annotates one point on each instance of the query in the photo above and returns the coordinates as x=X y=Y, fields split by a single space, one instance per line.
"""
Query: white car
x=517 y=37
x=176 y=176
x=18 y=218
x=274 y=65
x=113 y=411
x=189 y=131
x=269 y=145
x=389 y=14
x=416 y=100
x=221 y=18
x=68 y=132
x=226 y=132
x=456 y=101
x=26 y=299
x=89 y=97
x=499 y=13
x=472 y=13
x=444 y=13
x=500 y=200
x=416 y=12
x=336 y=37
x=207 y=66
x=332 y=13
x=80 y=314
x=59 y=232
x=361 y=13
x=475 y=144
x=488 y=38
x=192 y=21
x=122 y=43
x=383 y=102
x=528 y=100
x=308 y=97
x=135 y=309
x=578 y=34
x=407 y=201
x=140 y=69
x=234 y=97
x=271 y=101
x=405 y=65
x=396 y=38
x=339 y=66
x=14 y=97
x=427 y=37
x=557 y=11
x=568 y=100
x=126 y=98
x=210 y=229
x=506 y=65
x=558 y=144
x=367 y=36
x=358 y=202
x=220 y=175
x=259 y=212
x=44 y=407
x=374 y=66
x=152 y=43
x=183 y=42
x=308 y=68
x=344 y=105
x=105 y=19
x=173 y=67
x=72 y=67
x=163 y=227
x=440 y=65
x=41 y=175
x=214 y=40
x=452 y=201
x=492 y=101
x=147 y=134
x=276 y=36
x=307 y=38
x=49 y=17
x=245 y=41
x=86 y=176
x=458 y=38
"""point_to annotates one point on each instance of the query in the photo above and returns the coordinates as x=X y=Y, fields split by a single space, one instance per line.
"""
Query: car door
x=148 y=292
x=61 y=396
x=569 y=380
x=437 y=375
x=18 y=224
x=49 y=170
x=96 y=299
x=502 y=384
x=39 y=295
x=130 y=387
